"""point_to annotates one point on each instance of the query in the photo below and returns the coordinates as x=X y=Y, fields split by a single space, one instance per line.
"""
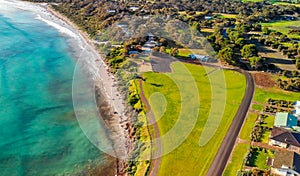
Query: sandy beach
x=85 y=52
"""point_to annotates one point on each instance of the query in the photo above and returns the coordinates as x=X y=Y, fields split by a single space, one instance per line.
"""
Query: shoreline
x=110 y=91
x=105 y=82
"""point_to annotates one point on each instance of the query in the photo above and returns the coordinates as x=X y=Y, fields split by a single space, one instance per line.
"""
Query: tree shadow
x=279 y=61
x=156 y=85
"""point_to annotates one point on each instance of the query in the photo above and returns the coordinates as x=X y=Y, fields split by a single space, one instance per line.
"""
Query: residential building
x=199 y=57
x=296 y=112
x=286 y=163
x=285 y=139
x=285 y=120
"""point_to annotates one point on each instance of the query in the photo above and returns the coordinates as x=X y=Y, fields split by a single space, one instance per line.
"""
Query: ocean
x=39 y=133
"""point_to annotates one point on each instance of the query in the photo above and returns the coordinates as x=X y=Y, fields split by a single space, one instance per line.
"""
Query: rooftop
x=285 y=136
x=284 y=119
x=287 y=159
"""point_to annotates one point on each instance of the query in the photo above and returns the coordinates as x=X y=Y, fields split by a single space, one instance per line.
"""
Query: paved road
x=222 y=157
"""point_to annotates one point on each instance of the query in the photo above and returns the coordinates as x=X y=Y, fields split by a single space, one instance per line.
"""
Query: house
x=111 y=11
x=296 y=112
x=285 y=120
x=134 y=8
x=285 y=139
x=133 y=52
x=199 y=57
x=286 y=163
x=208 y=17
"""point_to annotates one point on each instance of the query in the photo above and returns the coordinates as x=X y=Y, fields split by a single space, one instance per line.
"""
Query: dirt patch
x=264 y=79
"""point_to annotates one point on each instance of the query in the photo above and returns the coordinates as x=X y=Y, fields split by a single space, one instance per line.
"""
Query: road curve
x=219 y=163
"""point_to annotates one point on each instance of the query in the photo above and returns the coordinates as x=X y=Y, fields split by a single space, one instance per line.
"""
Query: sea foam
x=60 y=28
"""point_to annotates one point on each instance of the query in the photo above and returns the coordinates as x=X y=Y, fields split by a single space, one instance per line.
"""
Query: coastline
x=106 y=87
x=105 y=82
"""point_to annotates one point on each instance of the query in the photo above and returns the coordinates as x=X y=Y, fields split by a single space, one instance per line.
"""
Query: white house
x=297 y=109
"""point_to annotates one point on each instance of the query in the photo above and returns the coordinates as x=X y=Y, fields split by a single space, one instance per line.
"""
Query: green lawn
x=186 y=52
x=269 y=121
x=176 y=110
x=247 y=127
x=286 y=3
x=283 y=26
x=262 y=95
x=260 y=158
x=226 y=15
x=266 y=134
x=257 y=107
x=252 y=0
x=236 y=160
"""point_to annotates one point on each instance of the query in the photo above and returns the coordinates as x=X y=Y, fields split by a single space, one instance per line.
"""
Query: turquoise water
x=39 y=133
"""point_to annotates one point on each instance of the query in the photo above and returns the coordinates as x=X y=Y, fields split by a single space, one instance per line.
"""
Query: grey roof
x=285 y=136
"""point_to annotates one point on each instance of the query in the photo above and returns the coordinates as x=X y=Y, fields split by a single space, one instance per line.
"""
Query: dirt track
x=155 y=163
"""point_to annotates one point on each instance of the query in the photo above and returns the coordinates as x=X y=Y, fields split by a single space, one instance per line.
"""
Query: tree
x=249 y=50
x=298 y=64
x=195 y=28
x=254 y=61
x=266 y=30
x=233 y=36
x=226 y=55
x=240 y=42
x=174 y=52
x=162 y=49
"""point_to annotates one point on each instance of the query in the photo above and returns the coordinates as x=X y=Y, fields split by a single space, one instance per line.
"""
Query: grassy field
x=252 y=0
x=284 y=27
x=247 y=127
x=226 y=15
x=262 y=95
x=286 y=3
x=257 y=107
x=174 y=108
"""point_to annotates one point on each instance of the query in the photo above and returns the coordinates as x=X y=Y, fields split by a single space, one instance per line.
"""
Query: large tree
x=249 y=50
x=254 y=61
x=226 y=55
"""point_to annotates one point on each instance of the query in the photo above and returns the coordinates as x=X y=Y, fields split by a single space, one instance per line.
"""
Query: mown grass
x=247 y=127
x=252 y=0
x=284 y=27
x=286 y=3
x=269 y=122
x=257 y=107
x=262 y=95
x=226 y=15
x=172 y=96
x=236 y=160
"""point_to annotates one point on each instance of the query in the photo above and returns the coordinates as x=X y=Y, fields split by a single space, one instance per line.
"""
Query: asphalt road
x=218 y=165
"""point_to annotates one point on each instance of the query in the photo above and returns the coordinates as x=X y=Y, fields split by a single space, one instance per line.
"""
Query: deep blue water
x=39 y=133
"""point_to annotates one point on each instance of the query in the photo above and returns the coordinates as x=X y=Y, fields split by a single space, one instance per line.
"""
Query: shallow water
x=39 y=133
